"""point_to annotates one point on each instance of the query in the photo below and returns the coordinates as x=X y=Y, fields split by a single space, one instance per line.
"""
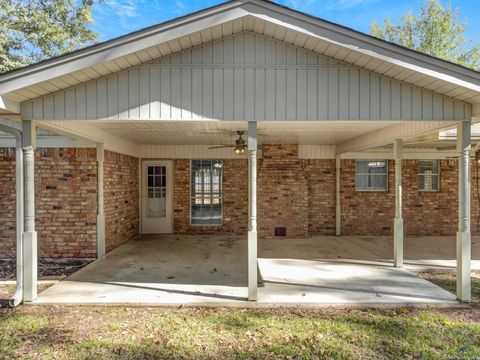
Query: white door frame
x=165 y=225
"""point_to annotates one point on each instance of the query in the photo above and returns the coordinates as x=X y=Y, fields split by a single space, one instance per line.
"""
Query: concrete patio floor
x=210 y=270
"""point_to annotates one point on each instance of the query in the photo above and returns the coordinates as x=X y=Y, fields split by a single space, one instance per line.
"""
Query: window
x=428 y=175
x=157 y=191
x=371 y=175
x=206 y=193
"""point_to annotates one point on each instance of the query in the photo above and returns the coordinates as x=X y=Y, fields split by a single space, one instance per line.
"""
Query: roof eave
x=115 y=48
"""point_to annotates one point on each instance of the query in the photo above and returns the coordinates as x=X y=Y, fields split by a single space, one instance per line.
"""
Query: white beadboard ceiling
x=238 y=16
x=222 y=132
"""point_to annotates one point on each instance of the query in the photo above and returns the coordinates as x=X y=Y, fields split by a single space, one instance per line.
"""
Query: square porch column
x=100 y=203
x=29 y=234
x=463 y=234
x=252 y=211
x=338 y=205
x=398 y=221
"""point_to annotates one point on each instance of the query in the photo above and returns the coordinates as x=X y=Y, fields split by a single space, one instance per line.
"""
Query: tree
x=33 y=30
x=436 y=31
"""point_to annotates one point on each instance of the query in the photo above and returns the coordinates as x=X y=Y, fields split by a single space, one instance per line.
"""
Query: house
x=248 y=118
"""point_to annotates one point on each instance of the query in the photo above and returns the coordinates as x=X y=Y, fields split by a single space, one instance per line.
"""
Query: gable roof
x=260 y=16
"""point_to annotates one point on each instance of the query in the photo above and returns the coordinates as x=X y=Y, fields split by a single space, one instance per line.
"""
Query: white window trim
x=190 y=195
x=372 y=190
x=438 y=174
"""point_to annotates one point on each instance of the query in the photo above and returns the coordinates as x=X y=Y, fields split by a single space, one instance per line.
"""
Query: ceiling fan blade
x=222 y=146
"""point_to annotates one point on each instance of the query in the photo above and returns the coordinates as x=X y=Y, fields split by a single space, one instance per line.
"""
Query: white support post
x=100 y=203
x=398 y=221
x=19 y=219
x=29 y=234
x=463 y=234
x=338 y=206
x=9 y=129
x=252 y=211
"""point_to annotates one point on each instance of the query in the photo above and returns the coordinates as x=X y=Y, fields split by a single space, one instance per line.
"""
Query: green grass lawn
x=60 y=332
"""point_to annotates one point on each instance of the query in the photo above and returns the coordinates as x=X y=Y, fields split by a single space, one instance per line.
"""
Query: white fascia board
x=50 y=142
x=388 y=134
x=365 y=44
x=120 y=47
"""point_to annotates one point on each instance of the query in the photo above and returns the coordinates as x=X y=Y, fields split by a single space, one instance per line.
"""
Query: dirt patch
x=47 y=268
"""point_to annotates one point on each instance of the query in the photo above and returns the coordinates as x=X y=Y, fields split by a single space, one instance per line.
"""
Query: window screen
x=206 y=192
x=428 y=175
x=371 y=175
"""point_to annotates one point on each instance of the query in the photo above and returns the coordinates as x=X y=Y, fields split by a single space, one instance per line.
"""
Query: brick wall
x=431 y=213
x=66 y=208
x=121 y=199
x=66 y=202
x=475 y=197
x=7 y=202
x=320 y=176
x=282 y=199
x=366 y=213
x=235 y=198
x=298 y=194
x=424 y=213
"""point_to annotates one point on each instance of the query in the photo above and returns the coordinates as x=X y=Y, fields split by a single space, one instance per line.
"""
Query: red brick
x=120 y=199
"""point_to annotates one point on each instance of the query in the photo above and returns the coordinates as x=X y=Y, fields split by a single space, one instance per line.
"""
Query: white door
x=157 y=213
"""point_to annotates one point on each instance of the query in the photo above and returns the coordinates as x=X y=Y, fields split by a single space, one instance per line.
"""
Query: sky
x=113 y=18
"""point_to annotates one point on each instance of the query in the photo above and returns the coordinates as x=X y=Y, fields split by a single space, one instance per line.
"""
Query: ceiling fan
x=240 y=144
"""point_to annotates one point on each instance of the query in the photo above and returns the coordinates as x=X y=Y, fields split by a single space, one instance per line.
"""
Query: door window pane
x=156 y=191
x=206 y=192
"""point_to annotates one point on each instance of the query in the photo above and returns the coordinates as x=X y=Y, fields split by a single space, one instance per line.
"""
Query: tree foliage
x=435 y=30
x=33 y=30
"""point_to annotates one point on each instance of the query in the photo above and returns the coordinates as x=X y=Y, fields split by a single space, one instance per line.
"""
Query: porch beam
x=252 y=211
x=338 y=206
x=398 y=221
x=388 y=134
x=29 y=233
x=94 y=134
x=100 y=202
x=463 y=234
x=407 y=154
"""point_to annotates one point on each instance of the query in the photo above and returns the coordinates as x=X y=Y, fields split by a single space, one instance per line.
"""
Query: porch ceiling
x=216 y=133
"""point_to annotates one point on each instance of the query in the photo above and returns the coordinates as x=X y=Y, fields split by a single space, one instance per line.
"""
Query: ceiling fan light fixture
x=239 y=150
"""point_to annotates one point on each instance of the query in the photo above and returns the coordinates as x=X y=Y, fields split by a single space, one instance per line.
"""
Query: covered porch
x=211 y=270
x=329 y=117
x=303 y=269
